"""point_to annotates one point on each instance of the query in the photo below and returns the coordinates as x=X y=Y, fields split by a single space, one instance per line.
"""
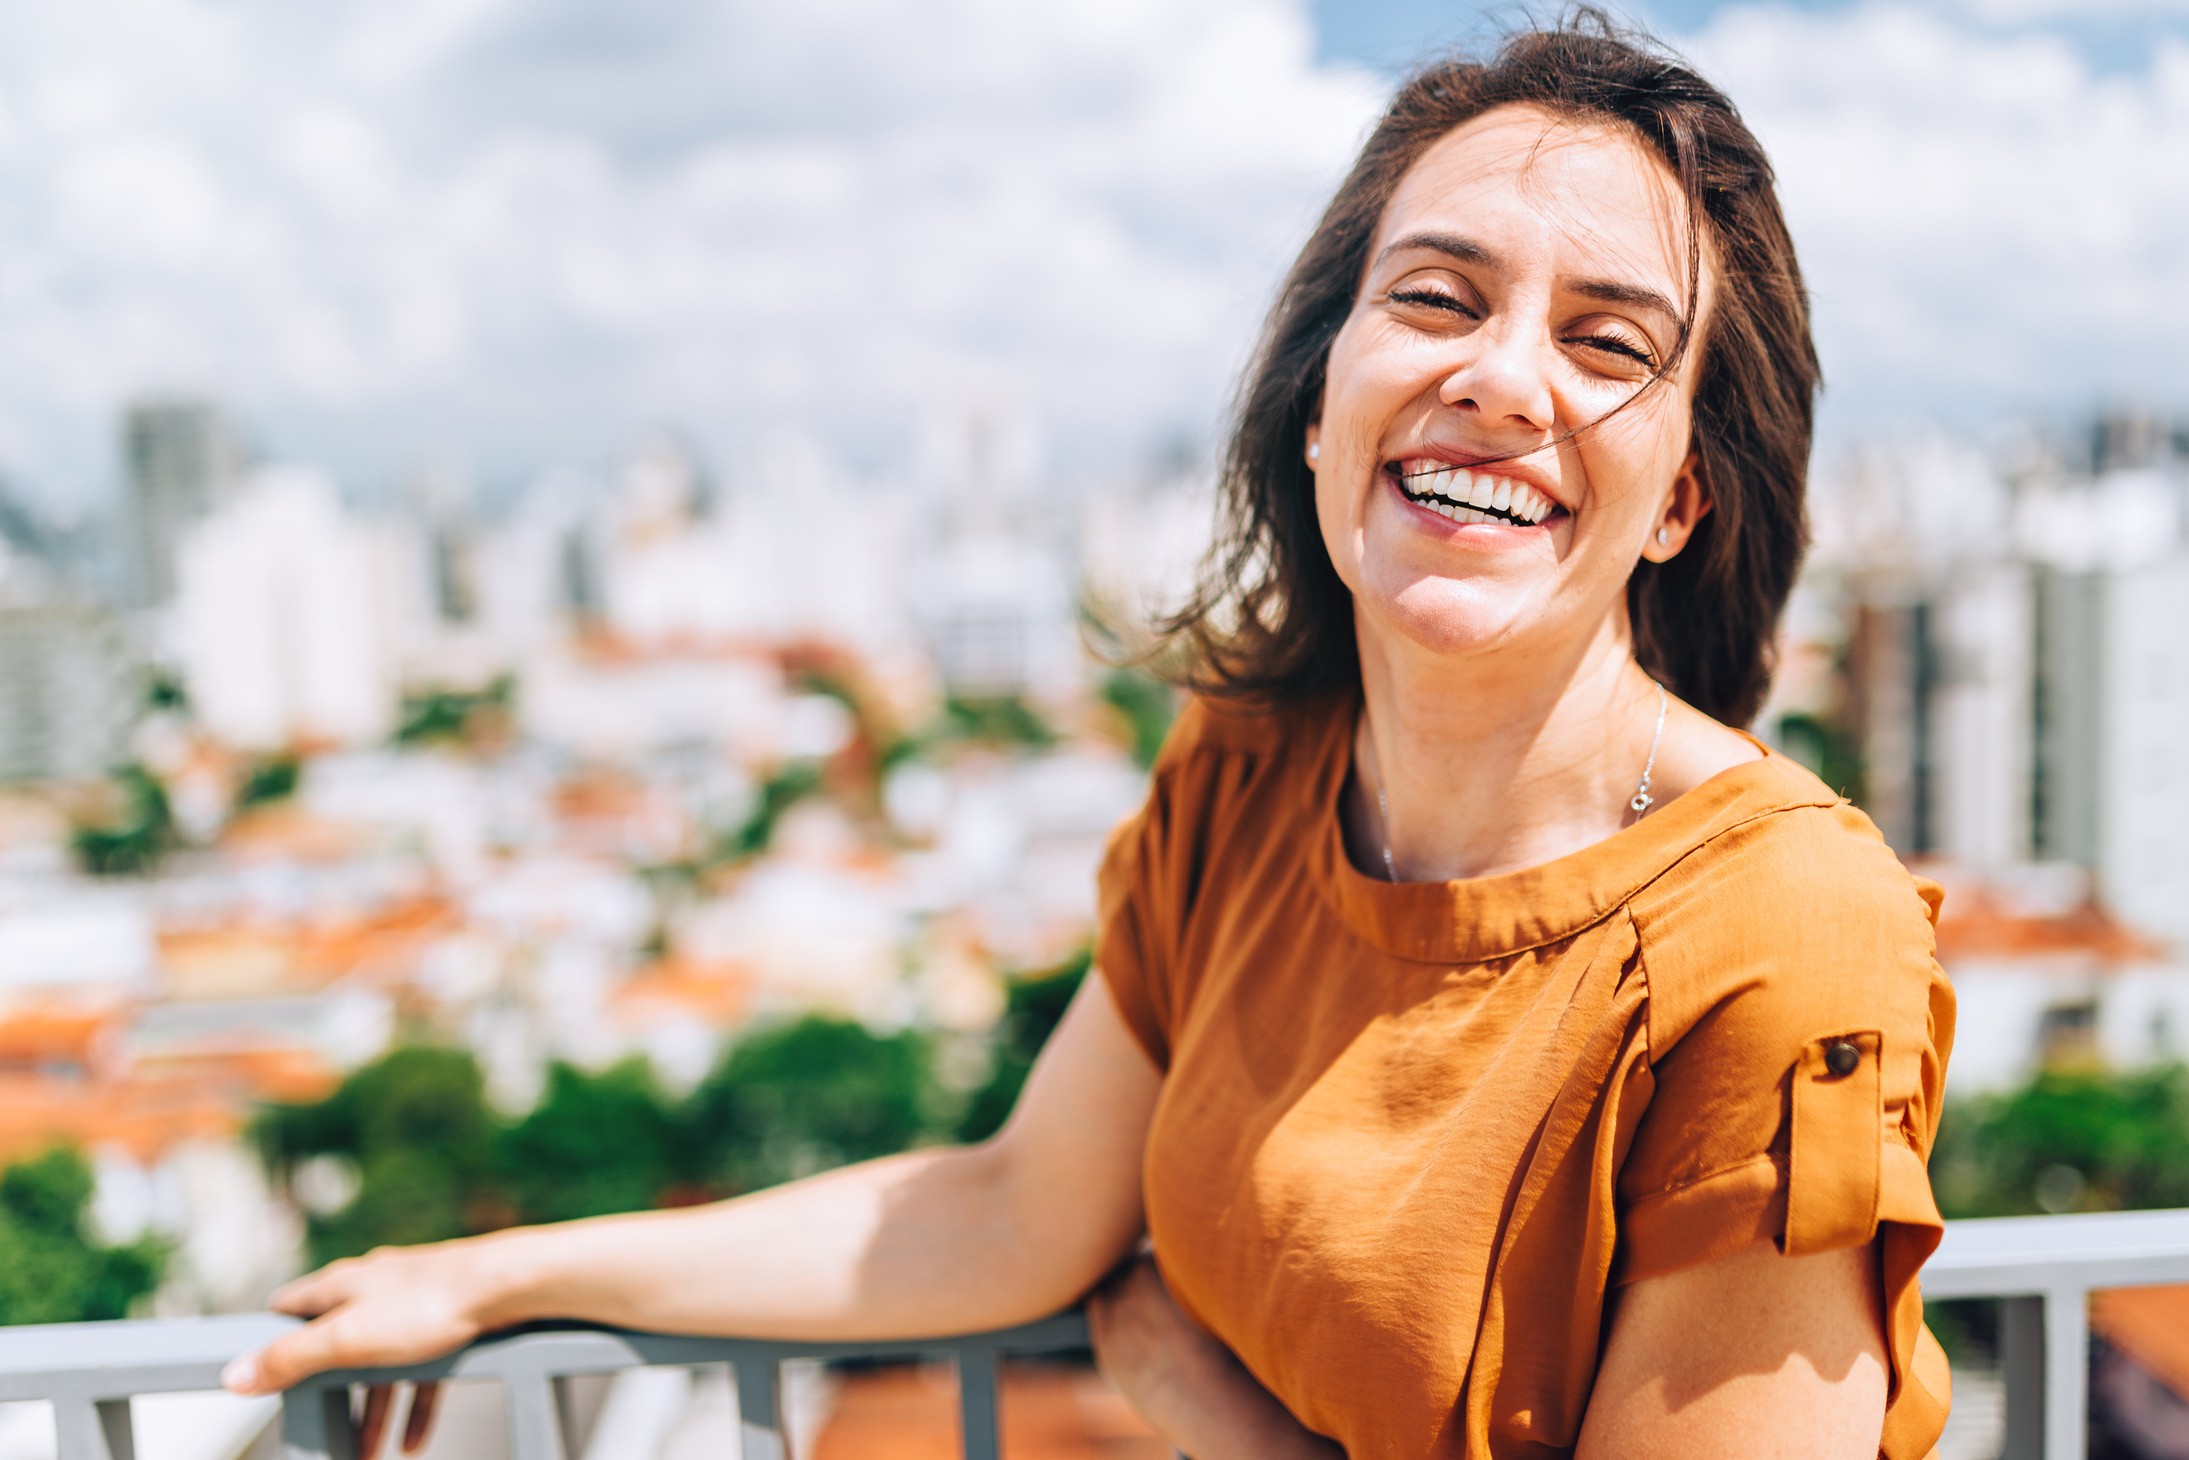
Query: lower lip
x=1484 y=534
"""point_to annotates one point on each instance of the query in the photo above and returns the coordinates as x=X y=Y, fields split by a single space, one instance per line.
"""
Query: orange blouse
x=1410 y=1136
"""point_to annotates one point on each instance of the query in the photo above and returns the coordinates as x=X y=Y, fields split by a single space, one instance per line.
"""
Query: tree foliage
x=50 y=1270
x=415 y=1124
x=793 y=1099
x=132 y=840
x=2070 y=1140
x=596 y=1143
x=435 y=1161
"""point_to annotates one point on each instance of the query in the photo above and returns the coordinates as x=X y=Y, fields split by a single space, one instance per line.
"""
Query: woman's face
x=1527 y=279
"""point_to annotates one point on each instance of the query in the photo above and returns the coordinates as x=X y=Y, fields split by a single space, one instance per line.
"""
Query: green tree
x=1148 y=706
x=594 y=1144
x=50 y=1271
x=454 y=717
x=2084 y=1140
x=1032 y=1007
x=1000 y=720
x=781 y=791
x=792 y=1099
x=133 y=841
x=416 y=1125
x=271 y=779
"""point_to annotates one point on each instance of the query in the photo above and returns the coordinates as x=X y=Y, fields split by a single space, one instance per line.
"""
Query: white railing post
x=2067 y=1373
x=93 y=1429
x=759 y=1408
x=315 y=1423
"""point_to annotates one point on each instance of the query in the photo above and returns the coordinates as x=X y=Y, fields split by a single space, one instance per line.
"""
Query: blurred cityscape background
x=549 y=562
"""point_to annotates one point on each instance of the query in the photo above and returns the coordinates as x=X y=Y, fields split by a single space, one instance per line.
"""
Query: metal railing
x=90 y=1371
x=2041 y=1269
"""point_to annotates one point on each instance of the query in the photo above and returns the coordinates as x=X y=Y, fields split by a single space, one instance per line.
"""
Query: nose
x=1504 y=383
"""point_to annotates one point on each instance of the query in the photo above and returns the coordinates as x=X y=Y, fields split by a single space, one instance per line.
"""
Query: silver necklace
x=1642 y=799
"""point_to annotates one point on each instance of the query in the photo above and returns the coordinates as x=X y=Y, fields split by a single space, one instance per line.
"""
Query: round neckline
x=1478 y=919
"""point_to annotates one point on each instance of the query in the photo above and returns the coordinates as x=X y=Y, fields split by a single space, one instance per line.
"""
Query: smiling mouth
x=1468 y=497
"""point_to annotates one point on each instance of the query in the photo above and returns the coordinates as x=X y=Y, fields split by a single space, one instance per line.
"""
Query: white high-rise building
x=279 y=624
x=2019 y=668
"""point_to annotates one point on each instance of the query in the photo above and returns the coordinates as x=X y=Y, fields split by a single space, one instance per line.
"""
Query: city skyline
x=488 y=240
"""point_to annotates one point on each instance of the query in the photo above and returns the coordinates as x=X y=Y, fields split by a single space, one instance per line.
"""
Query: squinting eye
x=1433 y=298
x=1612 y=344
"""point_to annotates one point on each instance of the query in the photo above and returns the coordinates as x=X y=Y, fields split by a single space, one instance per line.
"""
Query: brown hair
x=1272 y=621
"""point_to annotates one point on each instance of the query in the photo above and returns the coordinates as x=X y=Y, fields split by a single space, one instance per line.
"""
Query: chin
x=1453 y=617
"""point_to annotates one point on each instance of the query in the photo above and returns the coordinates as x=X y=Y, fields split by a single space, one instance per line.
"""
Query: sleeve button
x=1842 y=1056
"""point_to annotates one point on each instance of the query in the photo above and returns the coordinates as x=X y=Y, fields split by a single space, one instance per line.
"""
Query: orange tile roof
x=57 y=1032
x=1049 y=1412
x=246 y=959
x=1973 y=924
x=720 y=993
x=2151 y=1326
x=286 y=830
x=144 y=1118
x=162 y=1100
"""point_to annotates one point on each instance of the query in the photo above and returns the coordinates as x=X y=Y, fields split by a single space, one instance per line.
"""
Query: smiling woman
x=1504 y=1054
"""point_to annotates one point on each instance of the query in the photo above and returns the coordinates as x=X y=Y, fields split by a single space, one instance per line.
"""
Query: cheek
x=1630 y=463
x=1335 y=515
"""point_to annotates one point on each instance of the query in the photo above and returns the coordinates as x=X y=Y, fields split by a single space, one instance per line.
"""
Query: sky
x=484 y=238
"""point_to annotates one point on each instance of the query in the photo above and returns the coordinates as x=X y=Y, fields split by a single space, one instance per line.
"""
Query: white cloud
x=515 y=232
x=1992 y=228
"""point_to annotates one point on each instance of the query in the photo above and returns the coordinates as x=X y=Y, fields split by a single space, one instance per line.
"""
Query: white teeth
x=1458 y=494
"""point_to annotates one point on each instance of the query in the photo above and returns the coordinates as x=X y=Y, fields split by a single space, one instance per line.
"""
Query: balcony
x=2041 y=1269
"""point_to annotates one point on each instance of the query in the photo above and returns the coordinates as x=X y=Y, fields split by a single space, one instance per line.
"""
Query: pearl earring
x=1314 y=451
x=1663 y=536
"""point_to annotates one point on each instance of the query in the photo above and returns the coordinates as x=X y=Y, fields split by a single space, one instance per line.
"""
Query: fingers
x=375 y=1421
x=420 y=1423
x=315 y=1292
x=294 y=1356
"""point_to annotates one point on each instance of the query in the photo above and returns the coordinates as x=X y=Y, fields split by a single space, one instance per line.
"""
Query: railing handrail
x=90 y=1371
x=2042 y=1268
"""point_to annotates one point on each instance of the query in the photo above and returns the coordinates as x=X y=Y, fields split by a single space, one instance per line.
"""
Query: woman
x=1504 y=1056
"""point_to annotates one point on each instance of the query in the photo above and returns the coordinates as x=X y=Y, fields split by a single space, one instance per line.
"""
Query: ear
x=1686 y=503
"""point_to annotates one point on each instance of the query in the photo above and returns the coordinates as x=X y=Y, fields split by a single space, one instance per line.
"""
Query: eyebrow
x=1610 y=291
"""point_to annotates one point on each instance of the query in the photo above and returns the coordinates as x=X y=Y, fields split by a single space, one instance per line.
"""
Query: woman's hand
x=1183 y=1381
x=398 y=1305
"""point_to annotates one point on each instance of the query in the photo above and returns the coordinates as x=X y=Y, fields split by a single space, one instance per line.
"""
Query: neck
x=1495 y=762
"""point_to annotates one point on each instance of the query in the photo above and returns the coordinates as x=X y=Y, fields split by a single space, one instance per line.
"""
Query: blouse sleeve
x=1145 y=887
x=1798 y=1030
x=1129 y=940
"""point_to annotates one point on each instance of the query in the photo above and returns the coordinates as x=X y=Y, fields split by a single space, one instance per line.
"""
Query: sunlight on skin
x=1754 y=1356
x=1498 y=356
x=1526 y=287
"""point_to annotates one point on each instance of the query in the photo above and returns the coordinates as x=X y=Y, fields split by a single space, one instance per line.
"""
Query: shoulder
x=1799 y=914
x=1207 y=728
x=1222 y=752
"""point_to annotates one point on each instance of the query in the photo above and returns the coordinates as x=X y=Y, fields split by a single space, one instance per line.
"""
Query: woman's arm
x=1752 y=1356
x=1186 y=1383
x=939 y=1241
